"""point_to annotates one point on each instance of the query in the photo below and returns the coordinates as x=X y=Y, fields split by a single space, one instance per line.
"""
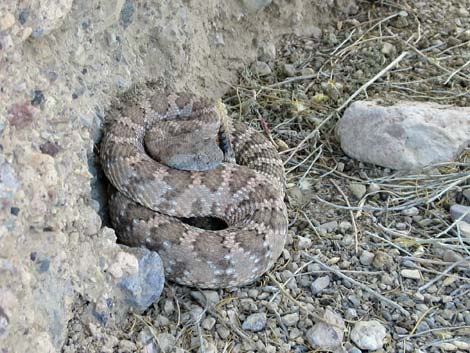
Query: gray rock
x=329 y=227
x=144 y=288
x=366 y=258
x=208 y=323
x=464 y=229
x=410 y=212
x=368 y=335
x=255 y=322
x=261 y=68
x=412 y=274
x=324 y=336
x=304 y=243
x=290 y=319
x=267 y=52
x=407 y=135
x=373 y=188
x=466 y=194
x=344 y=226
x=358 y=190
x=166 y=342
x=289 y=70
x=351 y=314
x=388 y=49
x=319 y=284
x=451 y=256
x=457 y=211
x=209 y=296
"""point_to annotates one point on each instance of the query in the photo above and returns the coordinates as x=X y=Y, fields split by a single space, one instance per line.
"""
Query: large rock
x=407 y=135
x=61 y=64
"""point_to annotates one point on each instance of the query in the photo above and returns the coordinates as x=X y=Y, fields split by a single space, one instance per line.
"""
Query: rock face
x=61 y=64
x=406 y=136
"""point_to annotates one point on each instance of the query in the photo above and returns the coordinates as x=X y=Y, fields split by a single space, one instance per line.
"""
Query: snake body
x=154 y=203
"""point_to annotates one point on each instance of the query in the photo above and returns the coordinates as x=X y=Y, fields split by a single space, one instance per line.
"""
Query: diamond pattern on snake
x=175 y=159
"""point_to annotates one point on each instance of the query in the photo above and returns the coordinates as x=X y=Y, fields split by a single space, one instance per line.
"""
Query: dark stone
x=44 y=265
x=23 y=16
x=50 y=148
x=4 y=321
x=38 y=98
x=127 y=13
x=33 y=256
x=15 y=211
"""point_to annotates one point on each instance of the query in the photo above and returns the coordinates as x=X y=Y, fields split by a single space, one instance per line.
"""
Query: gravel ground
x=373 y=259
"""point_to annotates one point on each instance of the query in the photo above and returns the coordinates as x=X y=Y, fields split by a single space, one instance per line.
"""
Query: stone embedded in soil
x=366 y=258
x=325 y=336
x=320 y=284
x=289 y=70
x=464 y=229
x=410 y=212
x=413 y=274
x=290 y=319
x=466 y=194
x=255 y=322
x=368 y=335
x=261 y=68
x=329 y=227
x=457 y=211
x=382 y=260
x=304 y=243
x=406 y=136
x=143 y=288
x=358 y=190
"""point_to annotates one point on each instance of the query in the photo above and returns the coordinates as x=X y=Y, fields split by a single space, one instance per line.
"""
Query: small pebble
x=290 y=319
x=373 y=188
x=329 y=227
x=208 y=323
x=50 y=148
x=388 y=49
x=464 y=228
x=401 y=226
x=466 y=194
x=351 y=314
x=255 y=322
x=304 y=243
x=261 y=68
x=289 y=70
x=320 y=284
x=413 y=274
x=358 y=190
x=366 y=258
x=324 y=336
x=412 y=211
x=451 y=256
x=457 y=211
x=368 y=335
x=307 y=71
x=344 y=226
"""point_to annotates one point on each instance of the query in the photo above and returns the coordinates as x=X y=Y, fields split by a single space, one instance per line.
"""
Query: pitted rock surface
x=153 y=200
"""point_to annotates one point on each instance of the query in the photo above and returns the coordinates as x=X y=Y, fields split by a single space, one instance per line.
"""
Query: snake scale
x=153 y=202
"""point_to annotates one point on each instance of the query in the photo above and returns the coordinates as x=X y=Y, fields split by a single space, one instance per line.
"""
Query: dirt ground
x=362 y=250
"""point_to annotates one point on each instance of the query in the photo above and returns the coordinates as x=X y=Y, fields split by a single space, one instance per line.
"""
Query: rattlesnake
x=154 y=204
